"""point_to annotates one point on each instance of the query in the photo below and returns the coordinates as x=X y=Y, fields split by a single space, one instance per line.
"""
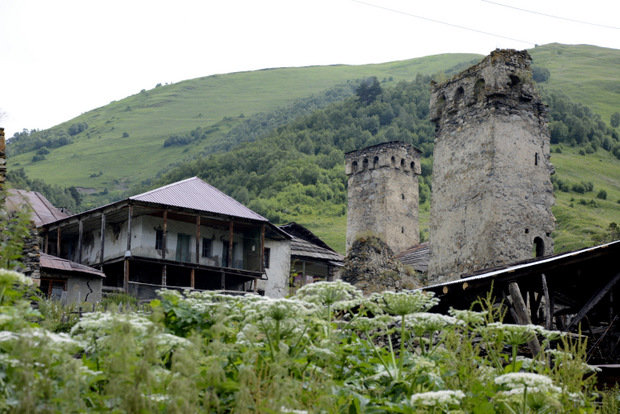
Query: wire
x=445 y=23
x=552 y=16
x=478 y=31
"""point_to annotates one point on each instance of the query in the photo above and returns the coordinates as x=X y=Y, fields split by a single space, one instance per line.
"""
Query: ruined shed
x=565 y=291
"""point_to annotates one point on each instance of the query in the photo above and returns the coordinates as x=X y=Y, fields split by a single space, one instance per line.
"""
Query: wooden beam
x=46 y=241
x=164 y=239
x=164 y=275
x=230 y=246
x=548 y=303
x=262 y=249
x=58 y=241
x=197 y=242
x=592 y=302
x=126 y=276
x=102 y=239
x=129 y=217
x=192 y=278
x=80 y=234
x=522 y=314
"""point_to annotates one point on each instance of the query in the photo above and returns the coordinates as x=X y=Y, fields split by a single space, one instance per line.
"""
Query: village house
x=185 y=235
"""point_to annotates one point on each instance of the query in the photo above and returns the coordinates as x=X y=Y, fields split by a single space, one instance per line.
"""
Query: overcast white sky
x=59 y=58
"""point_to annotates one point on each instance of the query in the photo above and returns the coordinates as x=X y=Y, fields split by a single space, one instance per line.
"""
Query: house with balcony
x=185 y=235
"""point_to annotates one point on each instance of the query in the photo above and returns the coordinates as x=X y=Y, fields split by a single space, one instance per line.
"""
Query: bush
x=602 y=195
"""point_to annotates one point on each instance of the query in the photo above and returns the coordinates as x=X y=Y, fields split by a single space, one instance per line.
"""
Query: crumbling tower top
x=383 y=194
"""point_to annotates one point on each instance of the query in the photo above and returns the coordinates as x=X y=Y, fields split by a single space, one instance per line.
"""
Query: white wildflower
x=286 y=410
x=469 y=317
x=423 y=322
x=437 y=398
x=524 y=379
x=406 y=303
x=10 y=277
x=328 y=293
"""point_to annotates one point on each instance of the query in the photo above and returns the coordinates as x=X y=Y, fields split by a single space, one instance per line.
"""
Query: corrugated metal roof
x=53 y=262
x=193 y=193
x=42 y=210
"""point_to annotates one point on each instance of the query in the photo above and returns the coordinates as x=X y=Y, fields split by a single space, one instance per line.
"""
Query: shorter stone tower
x=492 y=192
x=383 y=194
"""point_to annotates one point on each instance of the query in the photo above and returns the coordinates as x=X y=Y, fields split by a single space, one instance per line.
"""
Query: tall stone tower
x=383 y=194
x=492 y=192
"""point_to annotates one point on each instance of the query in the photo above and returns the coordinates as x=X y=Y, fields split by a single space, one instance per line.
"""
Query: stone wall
x=383 y=194
x=492 y=193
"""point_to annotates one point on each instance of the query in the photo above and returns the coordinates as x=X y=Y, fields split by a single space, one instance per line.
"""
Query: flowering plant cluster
x=328 y=349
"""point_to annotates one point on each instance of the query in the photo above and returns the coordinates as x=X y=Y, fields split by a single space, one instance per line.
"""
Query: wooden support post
x=255 y=285
x=303 y=272
x=522 y=314
x=58 y=232
x=548 y=304
x=126 y=276
x=102 y=251
x=46 y=241
x=192 y=278
x=223 y=281
x=164 y=275
x=197 y=240
x=164 y=239
x=593 y=301
x=262 y=249
x=129 y=217
x=230 y=246
x=79 y=246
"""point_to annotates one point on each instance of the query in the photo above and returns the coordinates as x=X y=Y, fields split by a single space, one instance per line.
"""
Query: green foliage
x=369 y=90
x=14 y=228
x=77 y=128
x=540 y=74
x=327 y=349
x=615 y=119
x=602 y=195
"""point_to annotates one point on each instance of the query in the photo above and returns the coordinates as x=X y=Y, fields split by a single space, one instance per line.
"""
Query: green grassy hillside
x=150 y=117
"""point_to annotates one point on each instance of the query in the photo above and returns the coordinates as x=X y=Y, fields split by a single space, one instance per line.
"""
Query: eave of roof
x=52 y=262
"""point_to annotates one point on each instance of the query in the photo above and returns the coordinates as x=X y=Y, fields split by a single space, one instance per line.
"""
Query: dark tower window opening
x=402 y=163
x=354 y=166
x=539 y=247
x=536 y=159
x=365 y=163
x=479 y=88
x=403 y=196
x=375 y=161
x=412 y=165
x=514 y=81
x=458 y=96
x=402 y=230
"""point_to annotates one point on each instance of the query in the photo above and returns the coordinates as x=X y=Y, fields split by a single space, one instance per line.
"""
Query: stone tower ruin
x=492 y=192
x=383 y=194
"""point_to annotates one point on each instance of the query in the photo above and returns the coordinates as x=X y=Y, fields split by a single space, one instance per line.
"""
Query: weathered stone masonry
x=492 y=193
x=383 y=194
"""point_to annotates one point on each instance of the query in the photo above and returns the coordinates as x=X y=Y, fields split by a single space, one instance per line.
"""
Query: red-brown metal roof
x=53 y=262
x=193 y=193
x=42 y=210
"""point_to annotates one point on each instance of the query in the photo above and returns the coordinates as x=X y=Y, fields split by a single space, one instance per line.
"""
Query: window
x=53 y=288
x=266 y=258
x=183 y=248
x=206 y=247
x=539 y=247
x=159 y=239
